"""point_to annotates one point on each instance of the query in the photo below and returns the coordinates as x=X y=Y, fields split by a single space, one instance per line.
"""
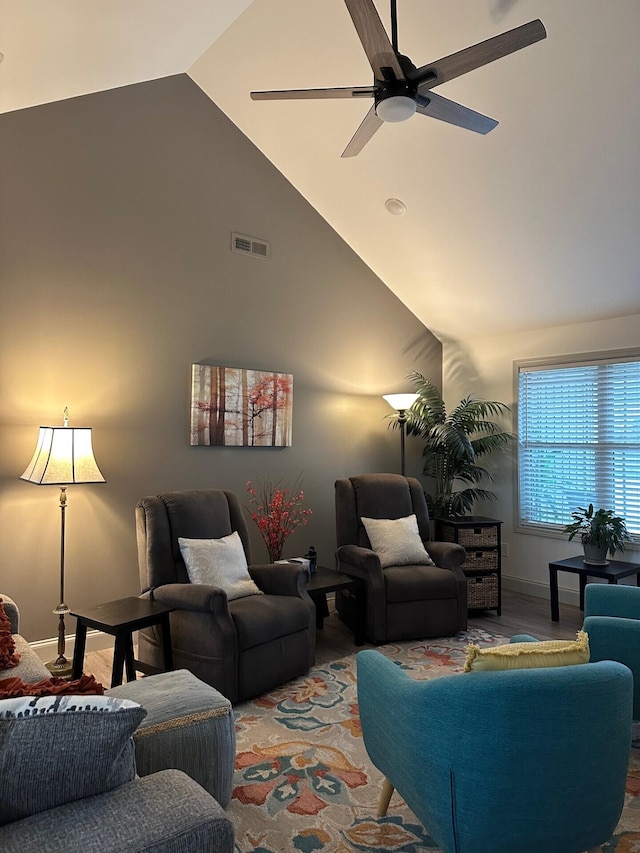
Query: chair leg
x=385 y=796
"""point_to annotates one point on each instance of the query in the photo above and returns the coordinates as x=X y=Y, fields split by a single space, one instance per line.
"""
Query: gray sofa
x=164 y=812
x=30 y=667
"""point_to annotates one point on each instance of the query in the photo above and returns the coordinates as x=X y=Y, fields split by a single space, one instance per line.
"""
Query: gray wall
x=116 y=274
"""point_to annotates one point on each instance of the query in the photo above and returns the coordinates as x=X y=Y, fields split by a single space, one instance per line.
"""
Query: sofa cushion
x=219 y=562
x=166 y=812
x=30 y=668
x=260 y=619
x=416 y=583
x=529 y=655
x=397 y=541
x=189 y=726
x=56 y=749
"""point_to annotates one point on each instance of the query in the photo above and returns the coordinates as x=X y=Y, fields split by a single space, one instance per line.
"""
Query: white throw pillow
x=219 y=562
x=397 y=541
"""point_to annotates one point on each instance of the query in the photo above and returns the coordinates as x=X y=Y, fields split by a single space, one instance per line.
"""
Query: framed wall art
x=244 y=408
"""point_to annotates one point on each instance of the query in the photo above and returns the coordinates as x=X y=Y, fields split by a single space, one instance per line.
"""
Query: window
x=578 y=438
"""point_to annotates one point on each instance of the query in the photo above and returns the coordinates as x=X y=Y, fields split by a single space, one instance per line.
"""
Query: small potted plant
x=600 y=531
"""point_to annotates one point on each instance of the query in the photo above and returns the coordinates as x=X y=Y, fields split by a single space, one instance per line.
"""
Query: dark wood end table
x=325 y=580
x=121 y=618
x=612 y=572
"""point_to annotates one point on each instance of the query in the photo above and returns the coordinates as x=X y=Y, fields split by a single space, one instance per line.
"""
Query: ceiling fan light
x=396 y=108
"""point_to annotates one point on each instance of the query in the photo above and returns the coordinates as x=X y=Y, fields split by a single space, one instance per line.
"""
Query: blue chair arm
x=403 y=723
x=603 y=599
x=523 y=638
x=612 y=638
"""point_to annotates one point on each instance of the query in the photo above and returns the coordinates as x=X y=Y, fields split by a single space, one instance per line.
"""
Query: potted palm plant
x=601 y=532
x=454 y=444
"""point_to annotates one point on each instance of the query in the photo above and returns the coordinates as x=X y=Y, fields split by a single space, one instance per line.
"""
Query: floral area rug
x=304 y=781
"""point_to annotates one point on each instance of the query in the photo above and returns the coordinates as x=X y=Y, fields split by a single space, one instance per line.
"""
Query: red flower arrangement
x=278 y=511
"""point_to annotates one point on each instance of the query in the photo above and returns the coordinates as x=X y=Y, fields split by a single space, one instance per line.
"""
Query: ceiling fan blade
x=375 y=40
x=286 y=94
x=369 y=125
x=445 y=110
x=478 y=55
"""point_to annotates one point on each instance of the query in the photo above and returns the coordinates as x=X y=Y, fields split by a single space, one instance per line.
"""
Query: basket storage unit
x=480 y=537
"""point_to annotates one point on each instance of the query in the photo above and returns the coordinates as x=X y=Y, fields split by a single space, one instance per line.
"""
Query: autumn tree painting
x=236 y=407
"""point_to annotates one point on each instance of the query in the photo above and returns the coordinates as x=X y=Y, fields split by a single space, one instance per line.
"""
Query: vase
x=595 y=555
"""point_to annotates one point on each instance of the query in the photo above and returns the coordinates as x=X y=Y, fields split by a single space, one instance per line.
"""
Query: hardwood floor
x=521 y=614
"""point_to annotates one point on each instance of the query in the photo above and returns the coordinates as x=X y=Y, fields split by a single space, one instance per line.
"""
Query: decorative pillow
x=397 y=541
x=529 y=655
x=57 y=749
x=9 y=657
x=219 y=562
x=86 y=685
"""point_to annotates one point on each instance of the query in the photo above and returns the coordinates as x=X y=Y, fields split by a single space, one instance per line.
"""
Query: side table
x=325 y=580
x=121 y=618
x=613 y=570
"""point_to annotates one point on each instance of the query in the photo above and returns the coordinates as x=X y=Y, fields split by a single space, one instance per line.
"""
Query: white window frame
x=550 y=363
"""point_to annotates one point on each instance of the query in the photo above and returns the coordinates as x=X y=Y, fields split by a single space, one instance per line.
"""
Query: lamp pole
x=402 y=419
x=61 y=666
x=401 y=403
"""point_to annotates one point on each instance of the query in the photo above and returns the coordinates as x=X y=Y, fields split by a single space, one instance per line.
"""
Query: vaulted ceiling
x=535 y=224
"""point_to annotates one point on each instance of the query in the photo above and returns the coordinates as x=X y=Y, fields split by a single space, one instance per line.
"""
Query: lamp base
x=61 y=667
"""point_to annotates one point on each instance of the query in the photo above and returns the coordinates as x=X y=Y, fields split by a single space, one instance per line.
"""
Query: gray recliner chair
x=241 y=647
x=402 y=602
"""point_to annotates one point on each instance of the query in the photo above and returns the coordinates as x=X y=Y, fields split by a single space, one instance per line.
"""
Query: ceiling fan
x=399 y=88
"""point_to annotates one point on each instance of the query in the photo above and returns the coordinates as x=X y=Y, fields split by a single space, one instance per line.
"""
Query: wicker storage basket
x=480 y=561
x=482 y=591
x=471 y=537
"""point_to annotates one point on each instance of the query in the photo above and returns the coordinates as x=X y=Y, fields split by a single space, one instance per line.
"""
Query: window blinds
x=579 y=440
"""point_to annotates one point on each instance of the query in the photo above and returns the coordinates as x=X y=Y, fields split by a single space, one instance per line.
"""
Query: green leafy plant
x=453 y=443
x=600 y=528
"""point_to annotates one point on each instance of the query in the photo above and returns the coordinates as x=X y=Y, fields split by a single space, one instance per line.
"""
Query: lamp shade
x=400 y=402
x=63 y=456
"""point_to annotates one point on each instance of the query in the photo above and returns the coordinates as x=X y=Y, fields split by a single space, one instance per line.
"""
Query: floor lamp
x=401 y=402
x=63 y=457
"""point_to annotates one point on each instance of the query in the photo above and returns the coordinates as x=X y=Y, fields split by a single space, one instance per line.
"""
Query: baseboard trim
x=540 y=590
x=48 y=649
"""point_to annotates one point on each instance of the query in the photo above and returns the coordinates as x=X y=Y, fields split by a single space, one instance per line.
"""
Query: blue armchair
x=612 y=621
x=497 y=762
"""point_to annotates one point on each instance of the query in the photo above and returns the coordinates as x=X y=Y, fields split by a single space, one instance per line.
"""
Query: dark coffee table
x=121 y=618
x=614 y=570
x=325 y=580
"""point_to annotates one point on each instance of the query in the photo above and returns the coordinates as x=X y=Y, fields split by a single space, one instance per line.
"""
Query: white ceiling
x=535 y=224
x=56 y=50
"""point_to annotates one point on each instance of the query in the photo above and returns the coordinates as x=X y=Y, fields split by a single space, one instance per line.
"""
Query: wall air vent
x=245 y=245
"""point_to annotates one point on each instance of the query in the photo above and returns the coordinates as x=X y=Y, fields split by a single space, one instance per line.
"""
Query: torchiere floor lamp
x=401 y=402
